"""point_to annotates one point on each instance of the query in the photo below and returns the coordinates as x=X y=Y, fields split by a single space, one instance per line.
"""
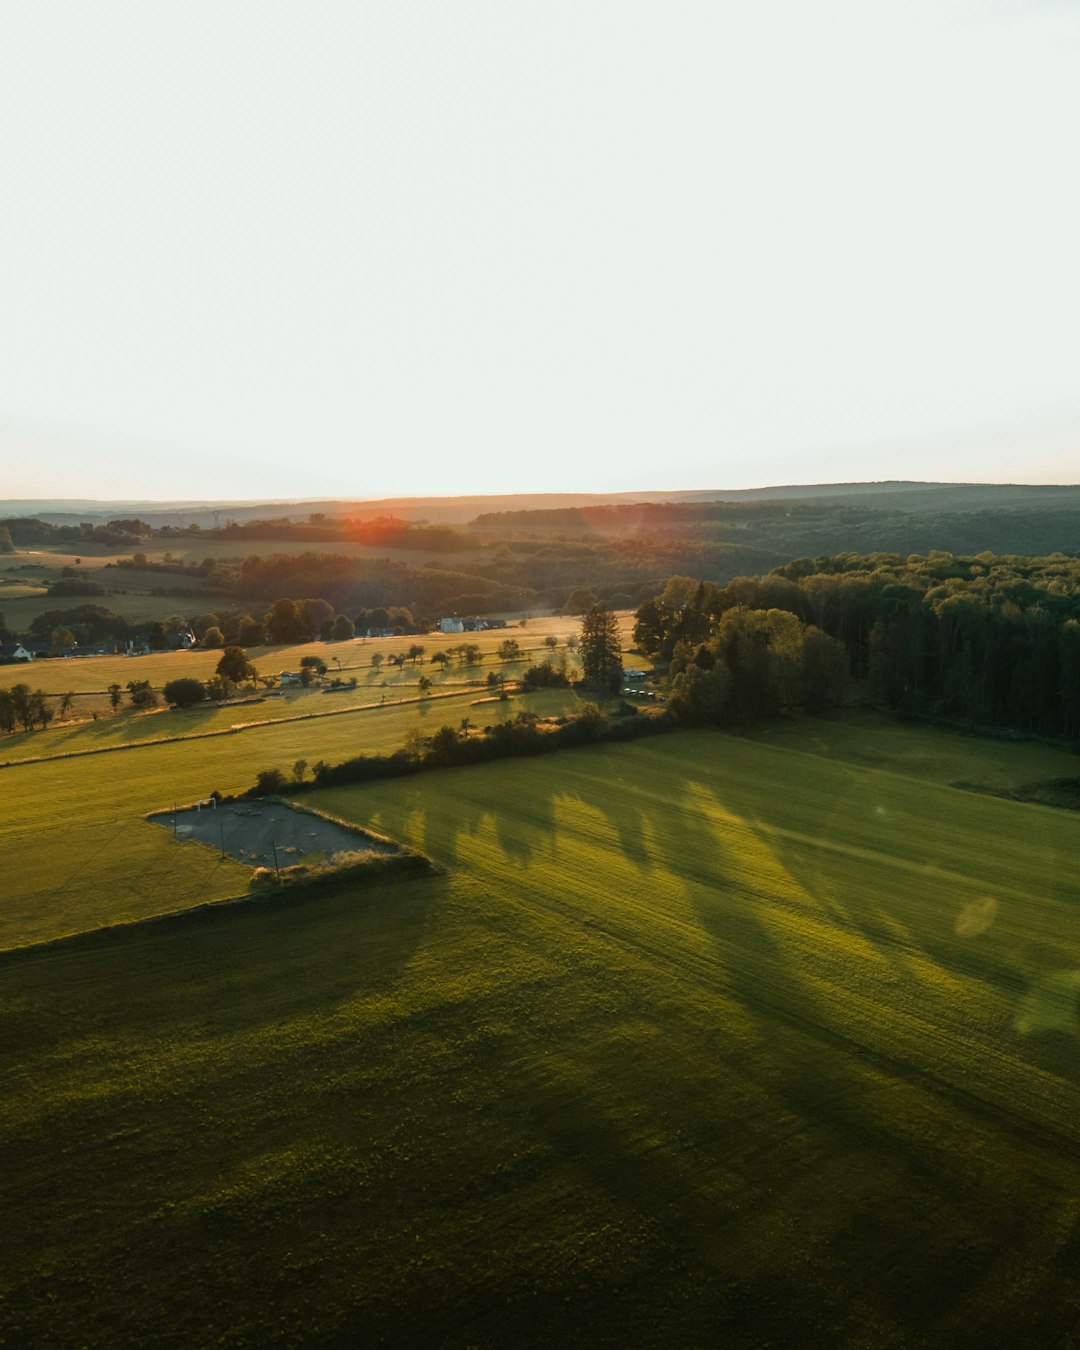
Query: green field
x=703 y=1040
x=77 y=850
x=78 y=853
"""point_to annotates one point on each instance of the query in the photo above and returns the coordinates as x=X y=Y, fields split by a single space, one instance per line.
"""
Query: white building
x=451 y=626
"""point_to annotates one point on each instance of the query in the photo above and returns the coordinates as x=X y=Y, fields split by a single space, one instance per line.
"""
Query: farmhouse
x=451 y=626
x=14 y=651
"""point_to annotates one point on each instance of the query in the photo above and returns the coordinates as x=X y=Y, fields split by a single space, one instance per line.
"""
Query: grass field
x=704 y=1040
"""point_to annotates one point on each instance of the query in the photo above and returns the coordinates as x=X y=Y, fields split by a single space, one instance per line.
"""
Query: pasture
x=701 y=1040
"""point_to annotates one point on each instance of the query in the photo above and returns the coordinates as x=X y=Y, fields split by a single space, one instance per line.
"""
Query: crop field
x=701 y=1040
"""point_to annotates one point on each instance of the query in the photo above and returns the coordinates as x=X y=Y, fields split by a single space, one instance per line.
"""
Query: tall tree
x=601 y=649
x=235 y=666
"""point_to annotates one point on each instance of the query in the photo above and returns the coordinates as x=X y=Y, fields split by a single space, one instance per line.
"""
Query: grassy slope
x=698 y=1037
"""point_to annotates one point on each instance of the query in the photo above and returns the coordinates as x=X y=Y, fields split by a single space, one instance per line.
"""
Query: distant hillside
x=904 y=496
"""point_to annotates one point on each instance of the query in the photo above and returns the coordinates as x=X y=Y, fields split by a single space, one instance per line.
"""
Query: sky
x=361 y=249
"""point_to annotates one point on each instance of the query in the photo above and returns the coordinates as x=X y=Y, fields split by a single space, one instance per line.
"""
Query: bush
x=142 y=694
x=545 y=676
x=363 y=865
x=269 y=782
x=184 y=693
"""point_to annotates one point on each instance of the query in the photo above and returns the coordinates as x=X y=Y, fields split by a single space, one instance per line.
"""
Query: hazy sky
x=251 y=248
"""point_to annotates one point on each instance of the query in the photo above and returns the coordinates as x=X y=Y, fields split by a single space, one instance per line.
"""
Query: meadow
x=706 y=1039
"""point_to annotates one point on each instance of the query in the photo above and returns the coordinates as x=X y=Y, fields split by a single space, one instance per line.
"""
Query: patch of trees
x=758 y=664
x=986 y=639
x=28 y=530
x=142 y=694
x=546 y=675
x=89 y=623
x=22 y=709
x=395 y=618
x=76 y=586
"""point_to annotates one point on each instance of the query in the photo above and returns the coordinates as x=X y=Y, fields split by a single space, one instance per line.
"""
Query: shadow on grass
x=922 y=1232
x=237 y=966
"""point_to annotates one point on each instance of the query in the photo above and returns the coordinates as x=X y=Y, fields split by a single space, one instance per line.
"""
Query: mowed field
x=701 y=1040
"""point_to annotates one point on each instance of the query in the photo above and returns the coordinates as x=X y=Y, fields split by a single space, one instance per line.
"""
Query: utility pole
x=277 y=869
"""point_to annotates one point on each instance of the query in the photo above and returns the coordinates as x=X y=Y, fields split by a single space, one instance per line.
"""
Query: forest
x=988 y=640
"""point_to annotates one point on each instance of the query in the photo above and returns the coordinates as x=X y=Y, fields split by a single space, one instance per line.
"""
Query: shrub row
x=365 y=865
x=521 y=735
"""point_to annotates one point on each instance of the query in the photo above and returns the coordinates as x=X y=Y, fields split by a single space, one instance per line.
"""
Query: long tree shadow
x=225 y=970
x=836 y=1083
